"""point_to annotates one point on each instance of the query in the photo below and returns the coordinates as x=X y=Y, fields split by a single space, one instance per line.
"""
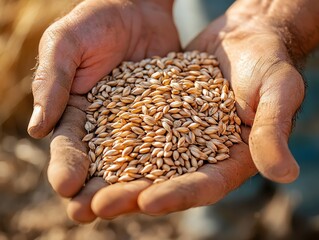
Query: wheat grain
x=160 y=118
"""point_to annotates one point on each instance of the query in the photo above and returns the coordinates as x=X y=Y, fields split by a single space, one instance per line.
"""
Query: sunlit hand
x=268 y=88
x=77 y=51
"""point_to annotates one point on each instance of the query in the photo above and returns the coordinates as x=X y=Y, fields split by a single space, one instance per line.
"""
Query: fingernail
x=36 y=118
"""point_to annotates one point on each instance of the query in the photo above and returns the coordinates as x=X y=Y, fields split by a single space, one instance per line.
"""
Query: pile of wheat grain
x=160 y=118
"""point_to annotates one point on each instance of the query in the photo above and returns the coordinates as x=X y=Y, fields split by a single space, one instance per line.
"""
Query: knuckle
x=254 y=136
x=39 y=82
x=43 y=76
x=60 y=34
x=55 y=31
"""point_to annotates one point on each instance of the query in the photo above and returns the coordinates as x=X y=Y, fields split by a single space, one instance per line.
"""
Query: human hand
x=268 y=88
x=77 y=51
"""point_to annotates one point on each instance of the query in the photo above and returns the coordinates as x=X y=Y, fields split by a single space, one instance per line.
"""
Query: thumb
x=281 y=95
x=58 y=58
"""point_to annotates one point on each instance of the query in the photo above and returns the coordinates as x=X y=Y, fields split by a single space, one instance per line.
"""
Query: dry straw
x=160 y=118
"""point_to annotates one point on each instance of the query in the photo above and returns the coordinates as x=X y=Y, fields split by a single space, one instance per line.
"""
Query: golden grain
x=160 y=118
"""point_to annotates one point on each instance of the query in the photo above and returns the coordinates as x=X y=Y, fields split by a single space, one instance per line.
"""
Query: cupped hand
x=77 y=51
x=268 y=89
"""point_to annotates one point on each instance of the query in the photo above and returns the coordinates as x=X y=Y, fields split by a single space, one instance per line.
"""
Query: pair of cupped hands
x=85 y=45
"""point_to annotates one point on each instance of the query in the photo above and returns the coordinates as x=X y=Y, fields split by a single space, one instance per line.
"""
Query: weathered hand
x=268 y=88
x=77 y=51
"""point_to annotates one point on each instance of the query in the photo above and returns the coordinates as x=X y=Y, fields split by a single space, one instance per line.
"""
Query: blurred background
x=30 y=210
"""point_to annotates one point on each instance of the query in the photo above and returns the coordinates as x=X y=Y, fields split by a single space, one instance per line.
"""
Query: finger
x=117 y=199
x=69 y=162
x=59 y=56
x=206 y=186
x=281 y=97
x=198 y=43
x=79 y=208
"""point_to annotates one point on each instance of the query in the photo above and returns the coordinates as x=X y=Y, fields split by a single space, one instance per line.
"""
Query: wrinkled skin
x=252 y=56
x=268 y=88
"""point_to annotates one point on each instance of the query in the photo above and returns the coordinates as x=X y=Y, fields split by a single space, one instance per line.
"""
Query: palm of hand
x=268 y=89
